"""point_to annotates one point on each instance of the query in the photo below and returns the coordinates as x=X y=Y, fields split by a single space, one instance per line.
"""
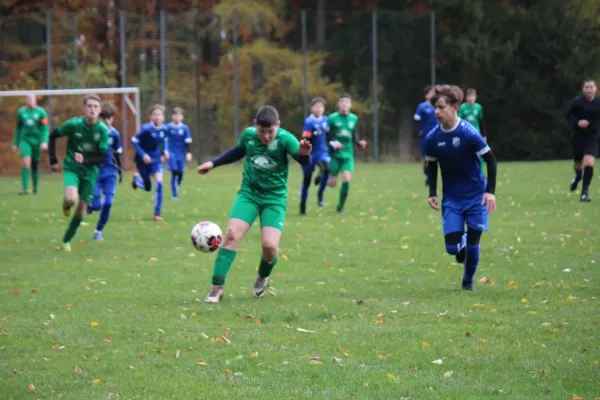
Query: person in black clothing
x=584 y=116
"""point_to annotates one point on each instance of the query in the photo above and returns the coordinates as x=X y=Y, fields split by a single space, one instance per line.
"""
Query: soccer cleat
x=215 y=295
x=260 y=286
x=175 y=198
x=66 y=209
x=133 y=184
x=158 y=218
x=66 y=247
x=98 y=236
x=461 y=256
x=585 y=197
x=468 y=287
x=574 y=184
x=340 y=210
x=303 y=208
x=23 y=192
x=320 y=203
x=317 y=180
x=35 y=192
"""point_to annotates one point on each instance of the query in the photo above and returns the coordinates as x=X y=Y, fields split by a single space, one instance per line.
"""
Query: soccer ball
x=206 y=236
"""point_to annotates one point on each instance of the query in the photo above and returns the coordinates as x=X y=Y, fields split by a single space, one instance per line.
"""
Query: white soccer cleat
x=260 y=286
x=215 y=295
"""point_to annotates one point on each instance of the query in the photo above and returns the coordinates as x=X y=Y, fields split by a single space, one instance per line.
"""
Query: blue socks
x=158 y=198
x=304 y=191
x=471 y=263
x=322 y=185
x=143 y=184
x=174 y=185
x=104 y=214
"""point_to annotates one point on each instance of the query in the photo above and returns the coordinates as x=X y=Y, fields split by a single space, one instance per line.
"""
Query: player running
x=425 y=116
x=584 y=116
x=263 y=194
x=30 y=139
x=177 y=144
x=342 y=137
x=149 y=149
x=87 y=146
x=107 y=179
x=315 y=131
x=467 y=198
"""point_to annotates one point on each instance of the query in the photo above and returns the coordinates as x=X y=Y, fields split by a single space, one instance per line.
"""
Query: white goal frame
x=124 y=91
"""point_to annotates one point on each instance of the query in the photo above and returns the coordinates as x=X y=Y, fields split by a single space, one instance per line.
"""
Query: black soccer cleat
x=303 y=208
x=340 y=210
x=585 y=197
x=317 y=180
x=23 y=192
x=468 y=287
x=461 y=256
x=574 y=184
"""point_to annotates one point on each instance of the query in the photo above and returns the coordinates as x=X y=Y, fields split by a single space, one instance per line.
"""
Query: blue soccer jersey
x=425 y=115
x=149 y=141
x=457 y=151
x=315 y=130
x=110 y=166
x=177 y=140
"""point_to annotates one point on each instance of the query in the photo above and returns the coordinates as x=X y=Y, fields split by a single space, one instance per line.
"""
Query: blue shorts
x=148 y=170
x=316 y=159
x=422 y=141
x=106 y=185
x=470 y=211
x=176 y=164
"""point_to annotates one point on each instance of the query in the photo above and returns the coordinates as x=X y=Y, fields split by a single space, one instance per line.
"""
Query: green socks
x=35 y=177
x=223 y=262
x=25 y=178
x=265 y=267
x=73 y=225
x=343 y=194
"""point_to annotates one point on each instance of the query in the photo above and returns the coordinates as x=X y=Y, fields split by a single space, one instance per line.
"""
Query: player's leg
x=109 y=187
x=25 y=150
x=589 y=159
x=577 y=161
x=243 y=213
x=157 y=173
x=477 y=223
x=324 y=174
x=83 y=192
x=71 y=191
x=142 y=179
x=181 y=169
x=334 y=170
x=453 y=222
x=307 y=172
x=172 y=166
x=96 y=203
x=36 y=154
x=422 y=146
x=272 y=219
x=346 y=168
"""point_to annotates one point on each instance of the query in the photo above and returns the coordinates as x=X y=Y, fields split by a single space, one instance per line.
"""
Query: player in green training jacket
x=473 y=112
x=342 y=138
x=86 y=150
x=30 y=139
x=263 y=194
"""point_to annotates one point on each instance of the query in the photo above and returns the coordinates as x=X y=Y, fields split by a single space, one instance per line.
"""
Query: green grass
x=374 y=284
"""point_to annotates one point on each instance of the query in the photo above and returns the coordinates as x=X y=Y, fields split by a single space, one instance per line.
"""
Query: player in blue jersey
x=315 y=131
x=106 y=185
x=177 y=144
x=467 y=196
x=425 y=116
x=149 y=151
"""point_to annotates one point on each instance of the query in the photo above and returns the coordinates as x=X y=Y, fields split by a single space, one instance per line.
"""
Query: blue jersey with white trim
x=176 y=139
x=315 y=130
x=457 y=151
x=149 y=141
x=114 y=147
x=425 y=115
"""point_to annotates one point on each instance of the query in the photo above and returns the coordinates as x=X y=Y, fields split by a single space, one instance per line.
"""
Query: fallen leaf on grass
x=254 y=355
x=575 y=397
x=181 y=316
x=571 y=298
x=382 y=356
x=485 y=279
x=426 y=345
x=448 y=374
x=304 y=330
x=523 y=300
x=177 y=354
x=344 y=352
x=468 y=334
x=315 y=358
x=336 y=359
x=96 y=381
x=107 y=341
x=544 y=302
x=77 y=368
x=437 y=362
x=201 y=363
x=390 y=377
x=95 y=324
x=31 y=387
x=481 y=340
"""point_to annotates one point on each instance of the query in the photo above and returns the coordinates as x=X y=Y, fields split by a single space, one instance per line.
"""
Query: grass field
x=381 y=299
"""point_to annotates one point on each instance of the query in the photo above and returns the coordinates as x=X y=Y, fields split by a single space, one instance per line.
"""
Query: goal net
x=61 y=105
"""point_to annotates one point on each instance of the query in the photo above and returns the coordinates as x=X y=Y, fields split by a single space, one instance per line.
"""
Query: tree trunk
x=404 y=123
x=321 y=23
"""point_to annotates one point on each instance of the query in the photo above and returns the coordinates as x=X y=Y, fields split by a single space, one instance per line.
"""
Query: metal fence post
x=236 y=88
x=122 y=54
x=49 y=63
x=304 y=61
x=163 y=58
x=375 y=55
x=432 y=41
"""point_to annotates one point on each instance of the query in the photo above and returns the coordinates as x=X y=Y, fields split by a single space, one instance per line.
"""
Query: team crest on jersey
x=180 y=132
x=456 y=141
x=35 y=116
x=96 y=137
x=263 y=162
x=29 y=122
x=324 y=125
x=77 y=134
x=345 y=132
x=110 y=141
x=162 y=134
x=272 y=145
x=351 y=125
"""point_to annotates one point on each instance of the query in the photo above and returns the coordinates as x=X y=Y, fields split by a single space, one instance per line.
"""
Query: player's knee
x=147 y=185
x=232 y=237
x=26 y=162
x=306 y=181
x=589 y=161
x=270 y=249
x=81 y=209
x=452 y=248
x=473 y=237
x=108 y=201
x=332 y=182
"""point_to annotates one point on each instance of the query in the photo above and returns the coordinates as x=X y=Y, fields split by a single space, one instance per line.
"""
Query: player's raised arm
x=229 y=156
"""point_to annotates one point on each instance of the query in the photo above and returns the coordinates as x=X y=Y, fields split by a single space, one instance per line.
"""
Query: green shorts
x=27 y=149
x=338 y=165
x=84 y=182
x=247 y=207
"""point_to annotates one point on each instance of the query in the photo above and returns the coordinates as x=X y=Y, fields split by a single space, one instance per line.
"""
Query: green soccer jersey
x=89 y=140
x=266 y=168
x=472 y=113
x=32 y=126
x=342 y=128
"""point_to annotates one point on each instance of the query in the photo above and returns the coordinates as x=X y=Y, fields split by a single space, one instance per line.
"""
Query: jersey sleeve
x=292 y=145
x=44 y=129
x=188 y=135
x=307 y=129
x=241 y=143
x=103 y=142
x=136 y=142
x=116 y=144
x=17 y=135
x=476 y=140
x=418 y=111
x=67 y=128
x=430 y=153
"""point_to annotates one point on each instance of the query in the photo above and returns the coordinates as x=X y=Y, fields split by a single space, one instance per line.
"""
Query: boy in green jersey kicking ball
x=263 y=194
x=86 y=151
x=30 y=139
x=472 y=111
x=342 y=138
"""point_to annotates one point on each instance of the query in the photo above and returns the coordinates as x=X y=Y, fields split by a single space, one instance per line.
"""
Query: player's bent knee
x=158 y=177
x=270 y=249
x=332 y=182
x=452 y=248
x=473 y=236
x=26 y=162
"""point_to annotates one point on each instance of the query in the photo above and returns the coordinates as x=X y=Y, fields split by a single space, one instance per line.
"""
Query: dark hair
x=157 y=107
x=107 y=111
x=177 y=110
x=317 y=100
x=267 y=116
x=587 y=80
x=453 y=94
x=345 y=96
x=471 y=91
x=427 y=89
x=94 y=97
